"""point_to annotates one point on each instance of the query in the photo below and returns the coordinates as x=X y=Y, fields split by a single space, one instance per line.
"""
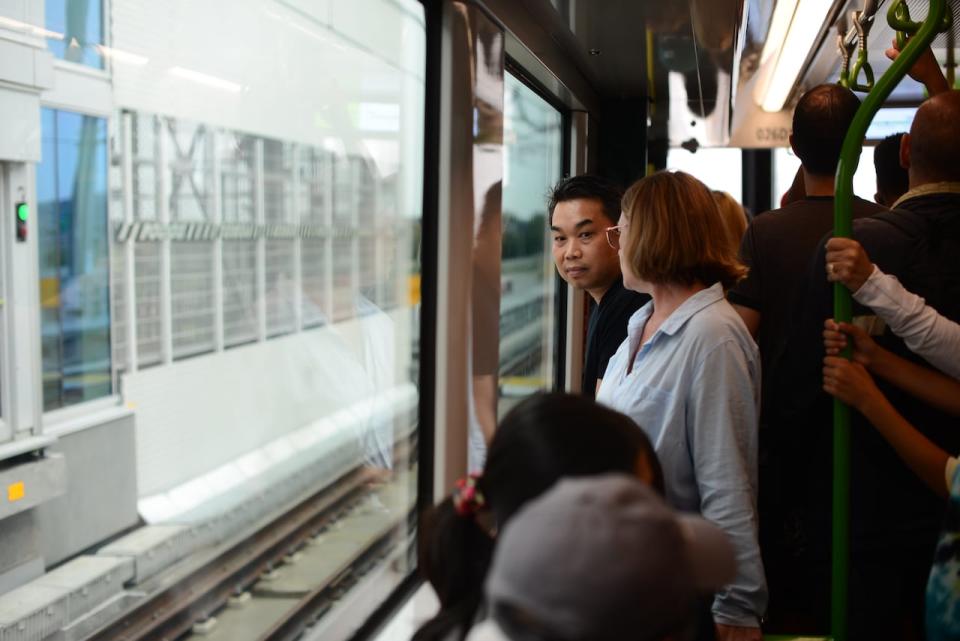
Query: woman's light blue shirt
x=695 y=391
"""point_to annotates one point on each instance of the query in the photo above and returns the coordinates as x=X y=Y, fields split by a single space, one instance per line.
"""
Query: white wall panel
x=380 y=37
x=20 y=115
x=82 y=91
x=198 y=414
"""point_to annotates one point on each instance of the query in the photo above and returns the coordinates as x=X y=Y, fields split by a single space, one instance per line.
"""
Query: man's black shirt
x=606 y=330
x=778 y=247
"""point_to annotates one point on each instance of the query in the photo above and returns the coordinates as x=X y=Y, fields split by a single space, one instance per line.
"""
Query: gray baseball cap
x=605 y=558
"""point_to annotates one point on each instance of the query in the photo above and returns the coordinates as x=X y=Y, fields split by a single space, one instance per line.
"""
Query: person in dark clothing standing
x=777 y=247
x=582 y=209
x=895 y=520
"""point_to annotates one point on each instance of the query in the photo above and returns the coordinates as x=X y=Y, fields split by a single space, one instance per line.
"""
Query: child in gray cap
x=602 y=559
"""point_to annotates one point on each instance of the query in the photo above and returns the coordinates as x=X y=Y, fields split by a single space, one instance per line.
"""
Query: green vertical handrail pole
x=843 y=305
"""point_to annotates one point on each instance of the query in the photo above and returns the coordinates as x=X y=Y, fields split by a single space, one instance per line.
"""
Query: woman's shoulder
x=720 y=323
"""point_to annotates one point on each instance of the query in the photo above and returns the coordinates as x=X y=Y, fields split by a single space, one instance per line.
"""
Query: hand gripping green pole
x=842 y=303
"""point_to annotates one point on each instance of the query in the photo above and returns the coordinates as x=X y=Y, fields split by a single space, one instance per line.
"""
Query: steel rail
x=319 y=600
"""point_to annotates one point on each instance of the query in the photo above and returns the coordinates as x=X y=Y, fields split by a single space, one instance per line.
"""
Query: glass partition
x=533 y=148
x=234 y=252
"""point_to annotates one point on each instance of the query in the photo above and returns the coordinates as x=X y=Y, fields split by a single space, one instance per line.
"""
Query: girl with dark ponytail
x=542 y=439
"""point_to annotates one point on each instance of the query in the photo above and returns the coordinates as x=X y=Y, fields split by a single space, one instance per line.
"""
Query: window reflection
x=533 y=144
x=81 y=23
x=74 y=259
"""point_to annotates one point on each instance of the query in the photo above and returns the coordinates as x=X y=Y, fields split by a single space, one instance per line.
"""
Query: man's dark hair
x=892 y=179
x=587 y=186
x=820 y=123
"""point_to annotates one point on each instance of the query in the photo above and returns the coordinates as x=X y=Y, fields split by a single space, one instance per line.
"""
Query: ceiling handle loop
x=898 y=17
x=862 y=22
x=845 y=49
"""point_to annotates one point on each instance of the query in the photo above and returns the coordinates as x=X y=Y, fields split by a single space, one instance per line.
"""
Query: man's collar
x=927 y=189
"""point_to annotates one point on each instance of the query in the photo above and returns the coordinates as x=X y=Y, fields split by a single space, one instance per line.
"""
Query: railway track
x=285 y=577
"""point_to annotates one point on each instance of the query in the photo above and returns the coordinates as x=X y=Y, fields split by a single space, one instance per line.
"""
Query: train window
x=75 y=31
x=720 y=168
x=533 y=143
x=231 y=247
x=786 y=164
x=74 y=264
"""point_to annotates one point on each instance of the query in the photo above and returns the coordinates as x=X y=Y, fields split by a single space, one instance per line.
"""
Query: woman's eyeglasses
x=613 y=235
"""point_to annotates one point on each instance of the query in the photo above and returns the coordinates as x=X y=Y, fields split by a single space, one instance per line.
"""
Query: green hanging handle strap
x=898 y=16
x=862 y=21
x=846 y=51
x=923 y=35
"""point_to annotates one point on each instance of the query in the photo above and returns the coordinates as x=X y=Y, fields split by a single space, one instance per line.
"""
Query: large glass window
x=533 y=146
x=74 y=258
x=263 y=223
x=76 y=31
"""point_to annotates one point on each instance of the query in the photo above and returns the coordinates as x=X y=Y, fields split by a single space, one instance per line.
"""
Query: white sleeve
x=924 y=331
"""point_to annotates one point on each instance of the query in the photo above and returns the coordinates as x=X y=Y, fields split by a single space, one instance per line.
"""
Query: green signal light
x=23 y=211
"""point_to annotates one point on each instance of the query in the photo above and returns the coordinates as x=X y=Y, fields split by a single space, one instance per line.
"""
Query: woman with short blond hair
x=689 y=372
x=734 y=218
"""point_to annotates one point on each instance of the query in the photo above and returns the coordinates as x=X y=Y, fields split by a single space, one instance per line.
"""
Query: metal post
x=843 y=305
x=329 y=243
x=296 y=219
x=260 y=219
x=166 y=247
x=129 y=247
x=216 y=218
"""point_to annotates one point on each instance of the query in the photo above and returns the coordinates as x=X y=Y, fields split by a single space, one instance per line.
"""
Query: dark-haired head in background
x=581 y=209
x=820 y=123
x=892 y=179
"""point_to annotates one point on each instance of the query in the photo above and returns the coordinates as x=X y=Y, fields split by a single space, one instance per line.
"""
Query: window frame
x=78 y=412
x=559 y=363
x=88 y=100
x=6 y=433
